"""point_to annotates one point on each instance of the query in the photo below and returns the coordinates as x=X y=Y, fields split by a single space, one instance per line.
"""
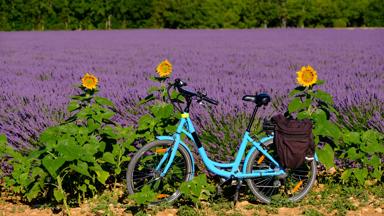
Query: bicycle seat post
x=252 y=118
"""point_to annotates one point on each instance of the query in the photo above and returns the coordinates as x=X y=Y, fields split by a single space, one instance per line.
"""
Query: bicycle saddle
x=258 y=99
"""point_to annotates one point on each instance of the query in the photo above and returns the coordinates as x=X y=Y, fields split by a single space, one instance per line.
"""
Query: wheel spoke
x=294 y=186
x=149 y=159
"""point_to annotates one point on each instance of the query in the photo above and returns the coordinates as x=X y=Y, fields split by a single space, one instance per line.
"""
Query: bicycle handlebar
x=186 y=93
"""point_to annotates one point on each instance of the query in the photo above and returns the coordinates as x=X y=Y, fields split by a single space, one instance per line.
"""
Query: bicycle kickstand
x=236 y=196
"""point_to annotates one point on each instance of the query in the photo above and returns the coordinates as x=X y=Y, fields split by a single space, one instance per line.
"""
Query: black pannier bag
x=294 y=140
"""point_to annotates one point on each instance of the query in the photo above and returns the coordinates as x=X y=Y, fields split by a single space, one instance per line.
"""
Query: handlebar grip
x=180 y=83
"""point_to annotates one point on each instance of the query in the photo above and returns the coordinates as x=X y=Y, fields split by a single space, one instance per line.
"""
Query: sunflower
x=164 y=69
x=89 y=81
x=307 y=76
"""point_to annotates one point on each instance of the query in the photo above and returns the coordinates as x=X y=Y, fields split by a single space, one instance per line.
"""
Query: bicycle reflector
x=260 y=159
x=296 y=188
x=161 y=196
x=162 y=150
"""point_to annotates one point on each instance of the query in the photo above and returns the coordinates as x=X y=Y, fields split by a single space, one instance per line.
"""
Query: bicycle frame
x=186 y=127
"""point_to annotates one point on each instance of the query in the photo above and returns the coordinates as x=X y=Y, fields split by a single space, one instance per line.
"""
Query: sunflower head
x=307 y=76
x=164 y=69
x=89 y=81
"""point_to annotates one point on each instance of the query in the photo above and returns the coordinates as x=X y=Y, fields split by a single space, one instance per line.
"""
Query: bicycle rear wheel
x=144 y=169
x=294 y=186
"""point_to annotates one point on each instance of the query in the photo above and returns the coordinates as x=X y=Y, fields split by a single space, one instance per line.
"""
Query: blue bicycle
x=167 y=162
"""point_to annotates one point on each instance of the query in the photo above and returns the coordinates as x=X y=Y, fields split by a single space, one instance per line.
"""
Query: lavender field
x=38 y=70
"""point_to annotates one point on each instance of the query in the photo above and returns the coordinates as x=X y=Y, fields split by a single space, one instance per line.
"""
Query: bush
x=340 y=23
x=76 y=159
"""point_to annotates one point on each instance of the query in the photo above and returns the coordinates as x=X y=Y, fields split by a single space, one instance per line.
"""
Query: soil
x=244 y=208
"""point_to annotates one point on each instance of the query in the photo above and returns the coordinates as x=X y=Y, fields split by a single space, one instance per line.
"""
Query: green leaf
x=294 y=92
x=346 y=174
x=353 y=155
x=103 y=101
x=101 y=175
x=162 y=111
x=361 y=175
x=72 y=106
x=294 y=105
x=81 y=167
x=177 y=97
x=108 y=157
x=327 y=129
x=58 y=194
x=351 y=138
x=323 y=96
x=52 y=164
x=377 y=174
x=33 y=192
x=107 y=114
x=125 y=159
x=92 y=125
x=69 y=150
x=145 y=196
x=118 y=170
x=50 y=136
x=371 y=142
x=374 y=161
x=320 y=82
x=197 y=189
x=326 y=156
x=145 y=122
x=319 y=116
x=3 y=139
x=146 y=99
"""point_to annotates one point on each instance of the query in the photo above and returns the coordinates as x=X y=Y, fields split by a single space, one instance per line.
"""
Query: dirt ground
x=244 y=208
x=312 y=205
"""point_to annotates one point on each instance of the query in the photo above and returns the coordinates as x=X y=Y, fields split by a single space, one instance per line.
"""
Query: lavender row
x=38 y=69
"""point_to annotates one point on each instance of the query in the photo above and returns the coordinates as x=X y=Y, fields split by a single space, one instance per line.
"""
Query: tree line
x=121 y=14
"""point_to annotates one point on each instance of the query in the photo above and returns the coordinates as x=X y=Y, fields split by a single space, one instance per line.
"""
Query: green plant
x=161 y=117
x=316 y=105
x=364 y=150
x=144 y=197
x=76 y=159
x=197 y=189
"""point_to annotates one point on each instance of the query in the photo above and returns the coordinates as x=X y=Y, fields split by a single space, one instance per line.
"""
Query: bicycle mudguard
x=184 y=145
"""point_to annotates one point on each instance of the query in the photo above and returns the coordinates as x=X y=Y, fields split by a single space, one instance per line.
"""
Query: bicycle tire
x=133 y=170
x=265 y=188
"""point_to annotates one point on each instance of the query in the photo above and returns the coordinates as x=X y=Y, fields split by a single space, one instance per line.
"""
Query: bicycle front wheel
x=294 y=186
x=149 y=162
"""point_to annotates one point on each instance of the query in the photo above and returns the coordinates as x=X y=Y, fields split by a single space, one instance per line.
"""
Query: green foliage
x=75 y=159
x=102 y=14
x=197 y=189
x=365 y=149
x=316 y=105
x=144 y=197
x=161 y=118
